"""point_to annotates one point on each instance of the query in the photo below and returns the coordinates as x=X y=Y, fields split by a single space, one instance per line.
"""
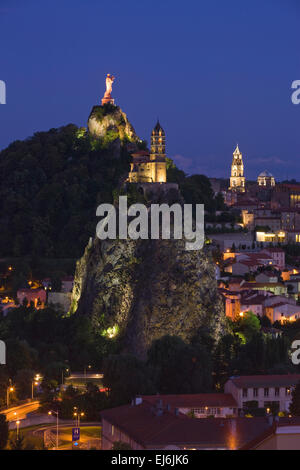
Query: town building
x=282 y=311
x=237 y=178
x=266 y=179
x=150 y=167
x=144 y=426
x=198 y=405
x=37 y=296
x=283 y=434
x=268 y=391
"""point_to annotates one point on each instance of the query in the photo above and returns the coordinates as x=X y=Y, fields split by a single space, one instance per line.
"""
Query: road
x=21 y=411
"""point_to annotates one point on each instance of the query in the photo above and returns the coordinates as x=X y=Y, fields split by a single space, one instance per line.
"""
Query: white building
x=266 y=390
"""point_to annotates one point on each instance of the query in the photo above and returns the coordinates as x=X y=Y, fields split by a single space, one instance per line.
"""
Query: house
x=253 y=302
x=273 y=222
x=277 y=255
x=240 y=268
x=231 y=302
x=145 y=426
x=61 y=300
x=37 y=296
x=276 y=288
x=67 y=283
x=267 y=390
x=286 y=273
x=266 y=276
x=275 y=299
x=200 y=405
x=293 y=285
x=282 y=312
x=283 y=434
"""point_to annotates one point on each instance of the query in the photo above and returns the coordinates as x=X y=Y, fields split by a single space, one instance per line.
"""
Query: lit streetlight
x=89 y=367
x=9 y=390
x=77 y=415
x=18 y=426
x=56 y=413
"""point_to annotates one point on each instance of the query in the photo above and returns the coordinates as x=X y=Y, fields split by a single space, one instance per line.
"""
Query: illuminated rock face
x=110 y=120
x=145 y=289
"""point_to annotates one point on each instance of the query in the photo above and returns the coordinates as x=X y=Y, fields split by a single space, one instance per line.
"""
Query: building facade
x=237 y=178
x=269 y=391
x=150 y=168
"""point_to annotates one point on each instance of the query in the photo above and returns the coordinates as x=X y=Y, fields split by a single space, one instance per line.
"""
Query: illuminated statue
x=107 y=95
x=109 y=81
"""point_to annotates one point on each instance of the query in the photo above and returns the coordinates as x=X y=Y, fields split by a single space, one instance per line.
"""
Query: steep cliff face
x=109 y=121
x=142 y=290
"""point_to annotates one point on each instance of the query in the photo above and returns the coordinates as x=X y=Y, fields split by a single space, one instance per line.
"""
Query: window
x=245 y=392
x=276 y=392
x=266 y=392
x=255 y=392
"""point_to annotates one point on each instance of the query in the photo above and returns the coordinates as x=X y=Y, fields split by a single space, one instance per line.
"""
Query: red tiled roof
x=140 y=153
x=257 y=300
x=262 y=284
x=265 y=380
x=145 y=427
x=274 y=250
x=196 y=400
x=294 y=421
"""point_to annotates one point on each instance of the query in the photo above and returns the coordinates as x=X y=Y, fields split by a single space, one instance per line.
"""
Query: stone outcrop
x=111 y=120
x=142 y=290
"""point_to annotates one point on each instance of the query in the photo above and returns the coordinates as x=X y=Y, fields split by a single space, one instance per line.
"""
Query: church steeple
x=158 y=142
x=237 y=179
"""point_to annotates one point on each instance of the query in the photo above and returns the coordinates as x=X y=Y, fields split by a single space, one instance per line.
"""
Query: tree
x=3 y=431
x=249 y=325
x=295 y=403
x=126 y=376
x=180 y=366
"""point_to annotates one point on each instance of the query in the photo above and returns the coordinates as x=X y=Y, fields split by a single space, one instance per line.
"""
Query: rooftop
x=193 y=400
x=245 y=381
x=151 y=430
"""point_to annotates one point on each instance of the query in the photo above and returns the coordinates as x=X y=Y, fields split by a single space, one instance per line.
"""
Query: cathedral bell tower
x=158 y=142
x=237 y=179
x=158 y=154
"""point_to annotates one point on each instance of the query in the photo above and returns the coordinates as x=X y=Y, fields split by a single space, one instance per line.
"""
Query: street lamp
x=56 y=413
x=35 y=382
x=18 y=425
x=9 y=389
x=89 y=367
x=77 y=415
x=62 y=375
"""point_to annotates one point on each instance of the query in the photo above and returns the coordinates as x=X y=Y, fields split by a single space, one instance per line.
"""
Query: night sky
x=215 y=72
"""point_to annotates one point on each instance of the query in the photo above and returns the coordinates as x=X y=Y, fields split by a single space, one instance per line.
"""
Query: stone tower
x=150 y=168
x=158 y=154
x=237 y=179
x=158 y=142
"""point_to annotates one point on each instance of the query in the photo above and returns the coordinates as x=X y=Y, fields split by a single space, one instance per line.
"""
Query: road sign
x=75 y=434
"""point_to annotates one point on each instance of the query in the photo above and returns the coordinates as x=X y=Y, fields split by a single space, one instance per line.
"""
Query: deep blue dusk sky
x=215 y=72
